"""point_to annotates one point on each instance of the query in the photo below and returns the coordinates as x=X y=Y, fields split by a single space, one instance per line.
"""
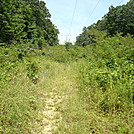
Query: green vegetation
x=26 y=21
x=94 y=77
x=20 y=93
x=119 y=19
x=99 y=96
x=103 y=101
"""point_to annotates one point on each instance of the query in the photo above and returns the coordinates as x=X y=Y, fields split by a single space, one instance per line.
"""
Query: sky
x=71 y=16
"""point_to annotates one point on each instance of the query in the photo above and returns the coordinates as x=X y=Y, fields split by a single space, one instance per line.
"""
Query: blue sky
x=70 y=23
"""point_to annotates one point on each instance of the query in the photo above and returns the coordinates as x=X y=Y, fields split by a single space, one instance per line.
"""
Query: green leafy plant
x=32 y=71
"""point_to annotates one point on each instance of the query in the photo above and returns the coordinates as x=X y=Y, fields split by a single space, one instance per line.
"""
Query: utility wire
x=74 y=12
x=93 y=10
x=69 y=36
x=120 y=2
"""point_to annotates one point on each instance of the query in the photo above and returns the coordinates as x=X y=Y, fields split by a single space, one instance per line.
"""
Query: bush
x=106 y=79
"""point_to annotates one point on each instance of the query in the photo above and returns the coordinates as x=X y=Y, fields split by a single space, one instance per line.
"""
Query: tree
x=26 y=21
x=44 y=26
x=90 y=36
x=68 y=45
x=120 y=19
x=11 y=21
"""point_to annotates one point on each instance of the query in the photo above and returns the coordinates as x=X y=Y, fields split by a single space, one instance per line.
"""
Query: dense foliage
x=26 y=21
x=103 y=98
x=107 y=75
x=119 y=19
x=105 y=85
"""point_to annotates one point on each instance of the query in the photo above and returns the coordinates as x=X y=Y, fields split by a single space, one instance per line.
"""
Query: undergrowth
x=106 y=84
x=102 y=103
x=22 y=85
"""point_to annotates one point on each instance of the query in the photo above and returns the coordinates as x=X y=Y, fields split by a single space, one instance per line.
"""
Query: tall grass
x=22 y=85
x=100 y=78
x=103 y=100
x=106 y=81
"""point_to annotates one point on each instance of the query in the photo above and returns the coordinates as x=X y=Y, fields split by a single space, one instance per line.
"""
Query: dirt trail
x=61 y=86
x=51 y=116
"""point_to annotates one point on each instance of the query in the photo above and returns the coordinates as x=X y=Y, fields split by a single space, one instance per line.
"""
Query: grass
x=82 y=115
x=94 y=83
x=21 y=99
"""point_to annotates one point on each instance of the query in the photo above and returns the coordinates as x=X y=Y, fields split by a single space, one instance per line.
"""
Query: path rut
x=60 y=88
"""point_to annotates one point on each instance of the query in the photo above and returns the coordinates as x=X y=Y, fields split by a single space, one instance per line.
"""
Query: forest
x=47 y=87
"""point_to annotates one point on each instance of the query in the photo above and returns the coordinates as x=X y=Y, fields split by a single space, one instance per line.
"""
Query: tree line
x=119 y=19
x=26 y=21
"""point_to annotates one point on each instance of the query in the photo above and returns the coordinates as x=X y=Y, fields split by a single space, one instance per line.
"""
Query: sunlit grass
x=94 y=88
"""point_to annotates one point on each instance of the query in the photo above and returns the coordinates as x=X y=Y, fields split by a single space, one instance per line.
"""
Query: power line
x=120 y=2
x=68 y=38
x=93 y=10
x=74 y=12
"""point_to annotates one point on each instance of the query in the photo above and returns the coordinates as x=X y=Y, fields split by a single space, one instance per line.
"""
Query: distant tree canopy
x=26 y=21
x=119 y=19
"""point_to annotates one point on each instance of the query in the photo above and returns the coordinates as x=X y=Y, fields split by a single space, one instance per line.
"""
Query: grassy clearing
x=22 y=92
x=95 y=84
x=103 y=101
x=82 y=115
